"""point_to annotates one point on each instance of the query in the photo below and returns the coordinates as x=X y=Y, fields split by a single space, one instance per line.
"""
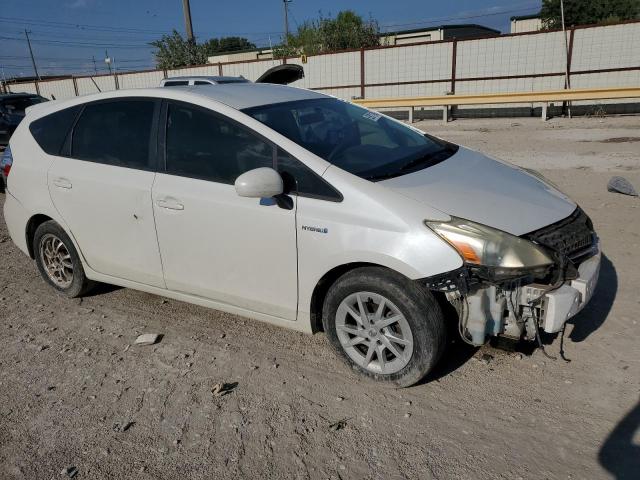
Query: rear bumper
x=16 y=218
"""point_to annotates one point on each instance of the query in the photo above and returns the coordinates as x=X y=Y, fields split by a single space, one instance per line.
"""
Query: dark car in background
x=12 y=111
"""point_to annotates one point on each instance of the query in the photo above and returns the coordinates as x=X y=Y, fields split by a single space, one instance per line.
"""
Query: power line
x=80 y=44
x=22 y=57
x=63 y=25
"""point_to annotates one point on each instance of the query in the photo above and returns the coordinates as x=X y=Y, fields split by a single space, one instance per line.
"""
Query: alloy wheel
x=374 y=333
x=56 y=260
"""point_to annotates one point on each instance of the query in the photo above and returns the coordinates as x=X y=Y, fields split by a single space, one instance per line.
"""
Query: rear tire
x=58 y=261
x=397 y=343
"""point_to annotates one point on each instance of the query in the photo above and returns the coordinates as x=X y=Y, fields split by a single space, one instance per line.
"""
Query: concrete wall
x=509 y=63
x=526 y=25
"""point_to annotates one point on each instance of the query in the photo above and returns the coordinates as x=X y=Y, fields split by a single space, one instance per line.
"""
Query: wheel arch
x=324 y=284
x=32 y=225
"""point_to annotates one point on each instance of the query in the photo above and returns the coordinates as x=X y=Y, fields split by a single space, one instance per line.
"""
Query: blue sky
x=67 y=34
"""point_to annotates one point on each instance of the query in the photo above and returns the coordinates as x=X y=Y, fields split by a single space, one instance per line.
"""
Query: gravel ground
x=75 y=391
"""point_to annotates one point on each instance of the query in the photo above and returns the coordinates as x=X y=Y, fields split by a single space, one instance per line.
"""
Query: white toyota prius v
x=298 y=209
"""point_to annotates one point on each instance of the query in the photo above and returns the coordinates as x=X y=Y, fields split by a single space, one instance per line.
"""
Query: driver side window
x=202 y=144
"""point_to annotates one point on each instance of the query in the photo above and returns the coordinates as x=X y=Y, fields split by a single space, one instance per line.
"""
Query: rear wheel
x=384 y=325
x=58 y=261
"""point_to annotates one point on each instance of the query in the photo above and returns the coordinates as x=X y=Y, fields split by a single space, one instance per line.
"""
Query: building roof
x=526 y=17
x=443 y=27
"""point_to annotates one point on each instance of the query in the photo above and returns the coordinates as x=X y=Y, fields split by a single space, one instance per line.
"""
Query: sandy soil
x=75 y=392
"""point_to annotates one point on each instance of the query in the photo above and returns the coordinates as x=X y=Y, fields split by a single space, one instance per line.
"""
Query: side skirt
x=300 y=325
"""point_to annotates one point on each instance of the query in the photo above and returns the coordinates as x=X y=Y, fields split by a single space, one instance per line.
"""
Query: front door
x=215 y=244
x=102 y=189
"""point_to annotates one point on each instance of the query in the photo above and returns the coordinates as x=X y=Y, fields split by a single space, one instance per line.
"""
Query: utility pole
x=33 y=60
x=107 y=60
x=567 y=80
x=187 y=21
x=286 y=21
x=4 y=89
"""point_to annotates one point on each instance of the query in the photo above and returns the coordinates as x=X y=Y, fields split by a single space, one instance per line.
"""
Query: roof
x=247 y=95
x=443 y=27
x=526 y=17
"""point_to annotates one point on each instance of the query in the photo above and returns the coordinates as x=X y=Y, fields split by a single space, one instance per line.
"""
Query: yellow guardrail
x=517 y=97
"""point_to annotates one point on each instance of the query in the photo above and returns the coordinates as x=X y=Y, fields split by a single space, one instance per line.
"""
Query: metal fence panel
x=140 y=80
x=87 y=86
x=57 y=89
x=614 y=46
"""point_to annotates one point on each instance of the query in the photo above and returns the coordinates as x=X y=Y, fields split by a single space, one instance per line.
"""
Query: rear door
x=215 y=244
x=101 y=186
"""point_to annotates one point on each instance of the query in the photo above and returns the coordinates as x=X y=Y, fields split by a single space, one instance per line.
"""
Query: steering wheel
x=345 y=142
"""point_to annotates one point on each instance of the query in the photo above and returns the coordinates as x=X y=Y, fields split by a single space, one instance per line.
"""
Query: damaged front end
x=514 y=286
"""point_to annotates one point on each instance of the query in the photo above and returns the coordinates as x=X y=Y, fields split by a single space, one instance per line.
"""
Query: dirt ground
x=75 y=392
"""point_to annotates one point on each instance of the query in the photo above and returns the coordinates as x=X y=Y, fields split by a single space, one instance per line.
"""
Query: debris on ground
x=120 y=428
x=69 y=471
x=148 y=339
x=621 y=185
x=486 y=358
x=339 y=425
x=221 y=389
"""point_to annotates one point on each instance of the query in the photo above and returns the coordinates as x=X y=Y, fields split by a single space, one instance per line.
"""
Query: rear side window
x=115 y=133
x=51 y=131
x=300 y=179
x=176 y=83
x=201 y=144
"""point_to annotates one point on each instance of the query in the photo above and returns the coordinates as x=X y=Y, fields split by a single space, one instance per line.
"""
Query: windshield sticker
x=372 y=116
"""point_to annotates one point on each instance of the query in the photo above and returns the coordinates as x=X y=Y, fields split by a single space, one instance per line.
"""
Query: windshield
x=353 y=138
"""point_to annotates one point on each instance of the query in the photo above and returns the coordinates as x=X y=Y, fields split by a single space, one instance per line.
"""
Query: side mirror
x=261 y=182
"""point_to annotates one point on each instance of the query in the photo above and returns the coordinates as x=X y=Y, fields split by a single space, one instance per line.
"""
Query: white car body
x=198 y=241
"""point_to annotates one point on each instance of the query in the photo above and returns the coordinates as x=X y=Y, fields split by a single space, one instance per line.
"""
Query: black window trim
x=153 y=164
x=162 y=148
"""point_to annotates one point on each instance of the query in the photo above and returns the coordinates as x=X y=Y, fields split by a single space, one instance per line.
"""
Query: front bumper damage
x=517 y=311
x=519 y=308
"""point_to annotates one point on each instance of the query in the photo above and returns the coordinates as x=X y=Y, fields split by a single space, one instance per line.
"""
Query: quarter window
x=50 y=131
x=300 y=179
x=201 y=144
x=115 y=133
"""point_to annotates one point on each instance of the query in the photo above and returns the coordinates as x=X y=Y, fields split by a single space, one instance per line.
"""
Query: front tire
x=384 y=325
x=58 y=261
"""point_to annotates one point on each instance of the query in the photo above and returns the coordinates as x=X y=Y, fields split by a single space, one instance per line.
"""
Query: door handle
x=62 y=182
x=170 y=204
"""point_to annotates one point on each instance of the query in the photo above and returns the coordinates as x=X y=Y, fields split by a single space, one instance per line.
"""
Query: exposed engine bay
x=489 y=305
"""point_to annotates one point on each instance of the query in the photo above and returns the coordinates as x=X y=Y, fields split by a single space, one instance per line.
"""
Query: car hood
x=473 y=186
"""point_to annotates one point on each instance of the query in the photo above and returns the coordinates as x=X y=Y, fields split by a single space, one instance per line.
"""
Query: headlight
x=505 y=254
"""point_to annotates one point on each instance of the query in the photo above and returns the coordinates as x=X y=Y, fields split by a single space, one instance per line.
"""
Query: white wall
x=526 y=25
x=410 y=70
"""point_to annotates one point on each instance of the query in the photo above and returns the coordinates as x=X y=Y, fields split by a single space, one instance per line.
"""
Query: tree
x=347 y=30
x=586 y=12
x=216 y=46
x=174 y=51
